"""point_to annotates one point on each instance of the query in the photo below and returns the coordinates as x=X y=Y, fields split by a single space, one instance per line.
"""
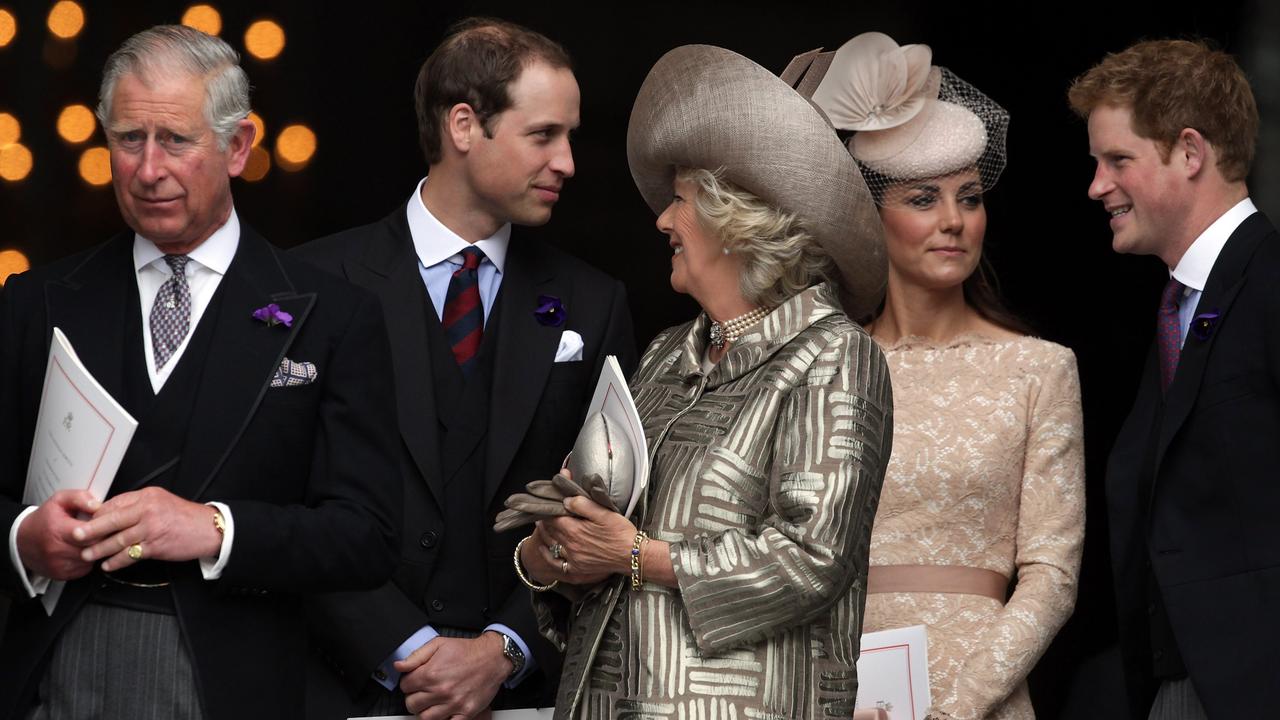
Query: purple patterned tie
x=171 y=312
x=463 y=319
x=1169 y=331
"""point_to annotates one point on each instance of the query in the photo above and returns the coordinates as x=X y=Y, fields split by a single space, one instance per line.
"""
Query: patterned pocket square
x=293 y=374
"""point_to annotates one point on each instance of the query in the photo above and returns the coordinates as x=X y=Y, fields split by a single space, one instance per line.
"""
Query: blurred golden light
x=294 y=147
x=261 y=127
x=8 y=27
x=264 y=39
x=10 y=129
x=12 y=262
x=258 y=165
x=75 y=123
x=95 y=166
x=66 y=19
x=203 y=18
x=15 y=162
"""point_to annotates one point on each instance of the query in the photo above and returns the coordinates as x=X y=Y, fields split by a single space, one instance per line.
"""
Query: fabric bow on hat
x=873 y=84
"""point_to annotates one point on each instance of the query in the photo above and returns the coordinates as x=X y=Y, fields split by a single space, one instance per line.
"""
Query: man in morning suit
x=497 y=343
x=1192 y=487
x=260 y=469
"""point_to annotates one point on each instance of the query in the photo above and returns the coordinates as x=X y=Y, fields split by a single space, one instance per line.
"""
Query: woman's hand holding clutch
x=593 y=541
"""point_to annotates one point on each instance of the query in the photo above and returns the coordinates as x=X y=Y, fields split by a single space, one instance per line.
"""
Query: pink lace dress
x=987 y=472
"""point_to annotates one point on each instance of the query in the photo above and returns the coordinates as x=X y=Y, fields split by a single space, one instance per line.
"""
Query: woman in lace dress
x=767 y=418
x=985 y=488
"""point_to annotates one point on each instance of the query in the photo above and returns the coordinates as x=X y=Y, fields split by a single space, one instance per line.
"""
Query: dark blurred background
x=345 y=73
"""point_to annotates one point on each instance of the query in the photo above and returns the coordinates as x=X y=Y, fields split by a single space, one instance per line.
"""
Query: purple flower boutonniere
x=273 y=315
x=550 y=311
x=1203 y=324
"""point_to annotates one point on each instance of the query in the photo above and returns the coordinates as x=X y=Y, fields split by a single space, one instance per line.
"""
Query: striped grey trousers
x=116 y=663
x=1177 y=700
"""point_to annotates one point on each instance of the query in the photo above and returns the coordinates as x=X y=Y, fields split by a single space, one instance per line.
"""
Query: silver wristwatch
x=511 y=651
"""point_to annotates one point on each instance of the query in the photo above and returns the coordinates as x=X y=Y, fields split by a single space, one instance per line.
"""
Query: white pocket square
x=293 y=374
x=570 y=349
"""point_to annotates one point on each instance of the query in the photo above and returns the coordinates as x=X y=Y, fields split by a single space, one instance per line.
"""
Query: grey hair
x=780 y=257
x=178 y=48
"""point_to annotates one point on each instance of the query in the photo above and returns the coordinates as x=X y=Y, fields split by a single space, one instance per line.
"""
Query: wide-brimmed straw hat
x=707 y=107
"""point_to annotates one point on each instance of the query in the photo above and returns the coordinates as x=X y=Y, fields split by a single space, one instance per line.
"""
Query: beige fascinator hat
x=910 y=119
x=707 y=107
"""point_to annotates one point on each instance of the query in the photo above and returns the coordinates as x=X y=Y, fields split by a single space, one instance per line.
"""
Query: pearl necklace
x=730 y=330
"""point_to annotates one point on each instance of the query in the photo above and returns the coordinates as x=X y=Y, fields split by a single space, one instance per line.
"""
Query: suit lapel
x=1224 y=284
x=243 y=356
x=90 y=304
x=525 y=353
x=391 y=265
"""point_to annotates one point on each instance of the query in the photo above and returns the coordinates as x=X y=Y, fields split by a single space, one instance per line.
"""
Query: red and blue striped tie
x=1169 y=331
x=463 y=319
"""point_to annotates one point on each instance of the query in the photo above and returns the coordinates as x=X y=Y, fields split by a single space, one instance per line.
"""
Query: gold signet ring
x=557 y=551
x=135 y=551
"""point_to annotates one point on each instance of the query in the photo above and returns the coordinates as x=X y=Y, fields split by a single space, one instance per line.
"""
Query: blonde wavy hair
x=780 y=258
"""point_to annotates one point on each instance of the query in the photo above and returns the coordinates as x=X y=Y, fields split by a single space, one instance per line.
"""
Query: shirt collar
x=434 y=243
x=214 y=253
x=1193 y=269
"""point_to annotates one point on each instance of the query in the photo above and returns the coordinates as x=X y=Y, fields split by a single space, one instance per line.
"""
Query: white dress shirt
x=439 y=251
x=209 y=263
x=1194 y=267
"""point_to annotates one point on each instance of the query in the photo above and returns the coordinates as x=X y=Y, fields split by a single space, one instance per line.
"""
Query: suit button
x=428 y=539
x=484 y=612
x=1158 y=654
x=437 y=605
x=1151 y=608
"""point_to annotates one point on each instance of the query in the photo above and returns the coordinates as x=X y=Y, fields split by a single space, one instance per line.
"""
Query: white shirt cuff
x=211 y=568
x=386 y=674
x=34 y=584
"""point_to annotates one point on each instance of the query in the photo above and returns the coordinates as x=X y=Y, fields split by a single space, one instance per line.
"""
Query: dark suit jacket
x=308 y=472
x=536 y=408
x=1209 y=453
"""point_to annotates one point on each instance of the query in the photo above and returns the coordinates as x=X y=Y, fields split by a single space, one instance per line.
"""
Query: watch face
x=513 y=653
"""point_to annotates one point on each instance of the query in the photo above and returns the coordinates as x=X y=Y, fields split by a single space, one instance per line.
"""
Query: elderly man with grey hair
x=262 y=464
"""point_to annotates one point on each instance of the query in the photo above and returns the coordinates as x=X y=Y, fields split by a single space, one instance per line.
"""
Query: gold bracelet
x=637 y=566
x=515 y=560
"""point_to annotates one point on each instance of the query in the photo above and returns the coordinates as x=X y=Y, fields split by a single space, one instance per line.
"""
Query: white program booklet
x=81 y=437
x=893 y=672
x=613 y=398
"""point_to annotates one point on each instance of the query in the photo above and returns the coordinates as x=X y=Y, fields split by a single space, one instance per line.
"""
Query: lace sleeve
x=1050 y=539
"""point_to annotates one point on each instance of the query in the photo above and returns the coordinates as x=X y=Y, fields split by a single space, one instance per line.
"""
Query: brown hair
x=1170 y=85
x=476 y=63
x=982 y=293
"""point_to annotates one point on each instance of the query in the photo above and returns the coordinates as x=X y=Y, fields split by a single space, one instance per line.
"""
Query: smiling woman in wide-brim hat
x=768 y=420
x=709 y=108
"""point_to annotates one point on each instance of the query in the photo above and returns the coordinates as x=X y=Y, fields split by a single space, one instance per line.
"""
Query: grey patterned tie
x=171 y=312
